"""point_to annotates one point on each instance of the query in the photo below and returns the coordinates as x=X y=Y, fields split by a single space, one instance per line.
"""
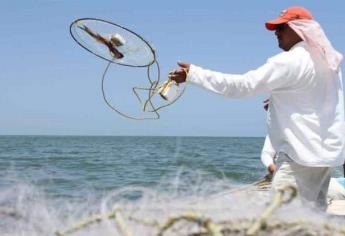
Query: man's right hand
x=179 y=75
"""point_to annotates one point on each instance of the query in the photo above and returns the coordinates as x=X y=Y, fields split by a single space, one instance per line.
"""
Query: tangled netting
x=194 y=223
x=218 y=214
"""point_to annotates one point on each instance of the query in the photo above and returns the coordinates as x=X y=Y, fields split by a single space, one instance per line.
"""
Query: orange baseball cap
x=289 y=14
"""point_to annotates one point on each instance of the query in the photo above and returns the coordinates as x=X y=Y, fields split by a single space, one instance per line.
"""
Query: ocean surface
x=67 y=166
x=55 y=180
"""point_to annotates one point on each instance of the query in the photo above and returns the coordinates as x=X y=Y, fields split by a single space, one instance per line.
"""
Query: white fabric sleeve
x=267 y=153
x=278 y=72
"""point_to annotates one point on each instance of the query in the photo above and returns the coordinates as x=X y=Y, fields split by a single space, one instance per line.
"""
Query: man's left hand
x=272 y=168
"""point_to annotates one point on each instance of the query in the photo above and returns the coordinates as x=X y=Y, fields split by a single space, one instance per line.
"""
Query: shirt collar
x=299 y=44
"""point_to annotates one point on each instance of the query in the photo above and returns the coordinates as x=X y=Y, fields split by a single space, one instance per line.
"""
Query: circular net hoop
x=112 y=42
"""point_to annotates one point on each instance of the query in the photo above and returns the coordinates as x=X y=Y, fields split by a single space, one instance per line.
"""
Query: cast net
x=119 y=45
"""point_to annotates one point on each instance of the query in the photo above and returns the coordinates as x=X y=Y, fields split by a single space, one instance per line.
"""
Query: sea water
x=50 y=183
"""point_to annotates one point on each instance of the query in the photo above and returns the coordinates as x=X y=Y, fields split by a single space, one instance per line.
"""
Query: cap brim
x=272 y=24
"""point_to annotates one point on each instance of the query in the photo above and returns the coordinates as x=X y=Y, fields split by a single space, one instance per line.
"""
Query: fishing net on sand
x=133 y=211
x=206 y=216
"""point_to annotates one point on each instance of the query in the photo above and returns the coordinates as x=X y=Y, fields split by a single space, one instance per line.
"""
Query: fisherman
x=306 y=112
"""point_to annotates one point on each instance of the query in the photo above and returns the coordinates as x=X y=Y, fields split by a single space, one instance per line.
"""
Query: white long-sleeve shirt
x=306 y=113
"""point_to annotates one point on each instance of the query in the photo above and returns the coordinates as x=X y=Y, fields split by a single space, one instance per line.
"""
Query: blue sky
x=51 y=86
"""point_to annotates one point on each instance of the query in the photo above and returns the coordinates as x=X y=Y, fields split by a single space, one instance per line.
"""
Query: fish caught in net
x=119 y=45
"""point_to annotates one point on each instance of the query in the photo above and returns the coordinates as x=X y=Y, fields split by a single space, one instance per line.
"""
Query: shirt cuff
x=191 y=73
x=267 y=159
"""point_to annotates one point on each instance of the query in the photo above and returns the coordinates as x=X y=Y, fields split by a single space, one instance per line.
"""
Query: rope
x=212 y=229
x=115 y=109
x=116 y=215
x=153 y=89
x=277 y=201
x=261 y=185
x=208 y=227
